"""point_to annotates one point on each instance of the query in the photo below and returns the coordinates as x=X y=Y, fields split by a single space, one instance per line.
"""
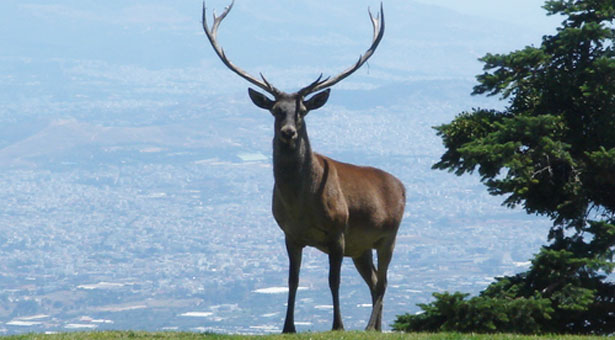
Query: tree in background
x=552 y=152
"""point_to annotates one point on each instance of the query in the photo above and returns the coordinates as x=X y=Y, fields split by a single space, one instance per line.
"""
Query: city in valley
x=136 y=175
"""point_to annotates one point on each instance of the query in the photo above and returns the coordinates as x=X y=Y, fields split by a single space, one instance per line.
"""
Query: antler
x=212 y=36
x=378 y=24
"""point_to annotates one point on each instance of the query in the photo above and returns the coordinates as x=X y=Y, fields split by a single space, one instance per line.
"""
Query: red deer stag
x=338 y=208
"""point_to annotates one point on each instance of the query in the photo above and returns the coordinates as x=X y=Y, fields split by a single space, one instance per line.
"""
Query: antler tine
x=376 y=21
x=273 y=91
x=212 y=36
x=309 y=89
x=378 y=25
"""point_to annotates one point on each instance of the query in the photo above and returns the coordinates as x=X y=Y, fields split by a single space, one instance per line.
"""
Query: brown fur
x=338 y=208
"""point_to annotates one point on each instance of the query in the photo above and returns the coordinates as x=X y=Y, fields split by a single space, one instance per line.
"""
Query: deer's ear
x=260 y=99
x=317 y=100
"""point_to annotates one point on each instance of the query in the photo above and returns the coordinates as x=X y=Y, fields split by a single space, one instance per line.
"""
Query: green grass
x=302 y=336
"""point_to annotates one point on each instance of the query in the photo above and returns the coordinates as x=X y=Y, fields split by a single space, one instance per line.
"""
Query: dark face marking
x=289 y=114
x=289 y=111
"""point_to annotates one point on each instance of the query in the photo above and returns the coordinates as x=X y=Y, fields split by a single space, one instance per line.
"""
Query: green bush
x=563 y=292
x=481 y=314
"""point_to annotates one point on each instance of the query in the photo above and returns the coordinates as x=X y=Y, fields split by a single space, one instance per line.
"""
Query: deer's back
x=365 y=203
x=369 y=192
x=374 y=199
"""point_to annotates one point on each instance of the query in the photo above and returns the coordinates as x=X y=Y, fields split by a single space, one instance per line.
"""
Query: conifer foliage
x=551 y=152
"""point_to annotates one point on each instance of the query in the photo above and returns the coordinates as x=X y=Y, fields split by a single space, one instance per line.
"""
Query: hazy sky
x=284 y=40
x=529 y=12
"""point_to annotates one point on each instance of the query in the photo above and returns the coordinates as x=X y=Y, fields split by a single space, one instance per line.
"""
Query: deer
x=341 y=209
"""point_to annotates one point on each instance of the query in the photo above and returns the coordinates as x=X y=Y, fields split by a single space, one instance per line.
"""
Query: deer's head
x=289 y=110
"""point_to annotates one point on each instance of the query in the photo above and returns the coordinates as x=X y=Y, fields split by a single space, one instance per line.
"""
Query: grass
x=125 y=335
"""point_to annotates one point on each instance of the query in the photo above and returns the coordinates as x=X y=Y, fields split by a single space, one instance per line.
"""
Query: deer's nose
x=288 y=133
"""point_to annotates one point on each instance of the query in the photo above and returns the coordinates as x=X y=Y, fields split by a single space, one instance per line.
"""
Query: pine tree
x=551 y=151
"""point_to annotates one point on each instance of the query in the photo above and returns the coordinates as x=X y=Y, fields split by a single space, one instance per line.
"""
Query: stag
x=338 y=208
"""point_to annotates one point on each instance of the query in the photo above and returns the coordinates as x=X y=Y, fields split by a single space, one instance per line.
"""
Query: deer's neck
x=292 y=167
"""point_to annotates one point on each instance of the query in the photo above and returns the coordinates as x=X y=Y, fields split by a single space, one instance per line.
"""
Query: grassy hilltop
x=301 y=336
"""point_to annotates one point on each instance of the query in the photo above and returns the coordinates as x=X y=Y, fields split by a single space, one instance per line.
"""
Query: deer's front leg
x=336 y=256
x=294 y=257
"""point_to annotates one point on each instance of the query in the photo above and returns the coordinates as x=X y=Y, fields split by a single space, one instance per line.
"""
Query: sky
x=525 y=12
x=89 y=28
x=157 y=43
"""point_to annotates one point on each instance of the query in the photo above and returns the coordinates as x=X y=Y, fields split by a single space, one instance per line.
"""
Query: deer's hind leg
x=384 y=251
x=365 y=266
